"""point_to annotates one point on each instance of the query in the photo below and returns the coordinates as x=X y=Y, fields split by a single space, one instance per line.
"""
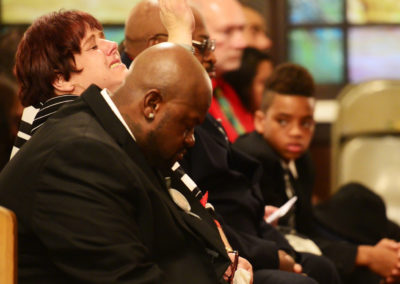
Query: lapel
x=198 y=228
x=212 y=127
x=113 y=126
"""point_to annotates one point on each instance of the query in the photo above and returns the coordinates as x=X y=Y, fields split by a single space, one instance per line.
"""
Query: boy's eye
x=307 y=124
x=282 y=122
x=94 y=46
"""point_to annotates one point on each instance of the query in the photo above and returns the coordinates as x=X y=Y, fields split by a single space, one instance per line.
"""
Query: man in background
x=255 y=29
x=225 y=22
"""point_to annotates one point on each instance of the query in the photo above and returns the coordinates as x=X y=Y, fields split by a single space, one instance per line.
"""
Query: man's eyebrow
x=204 y=36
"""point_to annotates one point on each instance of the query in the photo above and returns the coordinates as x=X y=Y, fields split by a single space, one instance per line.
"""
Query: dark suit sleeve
x=342 y=254
x=84 y=216
x=262 y=254
x=230 y=178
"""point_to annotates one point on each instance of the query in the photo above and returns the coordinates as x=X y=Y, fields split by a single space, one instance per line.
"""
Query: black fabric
x=232 y=180
x=90 y=209
x=48 y=108
x=357 y=214
x=19 y=142
x=273 y=190
x=25 y=127
x=280 y=277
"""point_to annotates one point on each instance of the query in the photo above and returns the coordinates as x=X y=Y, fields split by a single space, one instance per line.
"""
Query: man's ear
x=62 y=86
x=259 y=121
x=151 y=103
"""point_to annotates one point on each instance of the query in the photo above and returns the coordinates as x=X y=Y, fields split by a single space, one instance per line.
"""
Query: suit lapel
x=113 y=126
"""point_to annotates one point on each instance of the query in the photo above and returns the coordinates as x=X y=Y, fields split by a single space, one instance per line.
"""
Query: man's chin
x=212 y=74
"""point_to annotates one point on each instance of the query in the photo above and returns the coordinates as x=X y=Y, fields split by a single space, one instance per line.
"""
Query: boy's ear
x=151 y=103
x=259 y=121
x=62 y=86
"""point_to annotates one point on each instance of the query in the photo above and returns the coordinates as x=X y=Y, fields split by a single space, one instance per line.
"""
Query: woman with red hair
x=60 y=55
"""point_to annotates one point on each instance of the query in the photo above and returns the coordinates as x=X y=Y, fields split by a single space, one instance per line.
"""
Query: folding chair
x=8 y=246
x=366 y=140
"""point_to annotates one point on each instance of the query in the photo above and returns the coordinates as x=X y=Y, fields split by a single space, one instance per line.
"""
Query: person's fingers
x=297 y=268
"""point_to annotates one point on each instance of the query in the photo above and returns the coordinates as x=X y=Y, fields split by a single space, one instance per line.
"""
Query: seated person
x=144 y=20
x=10 y=113
x=284 y=128
x=225 y=22
x=74 y=55
x=255 y=29
x=69 y=19
x=249 y=80
x=90 y=189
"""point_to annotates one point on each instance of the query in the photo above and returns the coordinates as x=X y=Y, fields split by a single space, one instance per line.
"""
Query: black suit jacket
x=231 y=178
x=90 y=209
x=273 y=189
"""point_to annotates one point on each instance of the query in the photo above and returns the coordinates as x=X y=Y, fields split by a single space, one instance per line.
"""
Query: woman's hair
x=47 y=51
x=241 y=80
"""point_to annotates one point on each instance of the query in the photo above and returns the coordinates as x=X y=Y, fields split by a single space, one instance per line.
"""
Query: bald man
x=94 y=205
x=144 y=27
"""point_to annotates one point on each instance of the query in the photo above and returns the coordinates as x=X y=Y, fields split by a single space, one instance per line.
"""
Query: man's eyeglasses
x=201 y=47
x=204 y=47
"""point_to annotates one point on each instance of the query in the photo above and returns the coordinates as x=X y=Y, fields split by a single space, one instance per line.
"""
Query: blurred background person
x=255 y=29
x=10 y=106
x=10 y=114
x=249 y=80
x=225 y=22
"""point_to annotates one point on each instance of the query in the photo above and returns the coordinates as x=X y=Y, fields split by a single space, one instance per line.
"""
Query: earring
x=151 y=115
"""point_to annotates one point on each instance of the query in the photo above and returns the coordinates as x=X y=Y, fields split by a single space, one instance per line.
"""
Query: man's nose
x=238 y=40
x=210 y=57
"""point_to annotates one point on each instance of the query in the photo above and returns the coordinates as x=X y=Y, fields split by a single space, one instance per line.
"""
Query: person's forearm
x=180 y=36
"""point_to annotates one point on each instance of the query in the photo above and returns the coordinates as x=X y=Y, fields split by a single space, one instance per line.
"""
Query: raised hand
x=177 y=17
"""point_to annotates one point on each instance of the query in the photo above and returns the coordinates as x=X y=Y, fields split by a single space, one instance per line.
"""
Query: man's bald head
x=142 y=23
x=166 y=93
x=225 y=22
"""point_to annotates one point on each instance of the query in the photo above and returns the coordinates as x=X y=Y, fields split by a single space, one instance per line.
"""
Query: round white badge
x=179 y=199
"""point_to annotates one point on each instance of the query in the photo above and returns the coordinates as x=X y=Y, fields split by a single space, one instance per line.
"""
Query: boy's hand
x=268 y=210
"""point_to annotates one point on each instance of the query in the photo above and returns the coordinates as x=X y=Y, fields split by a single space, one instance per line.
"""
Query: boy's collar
x=291 y=166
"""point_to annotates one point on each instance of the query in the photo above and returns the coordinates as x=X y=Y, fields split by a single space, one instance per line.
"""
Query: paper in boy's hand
x=282 y=210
